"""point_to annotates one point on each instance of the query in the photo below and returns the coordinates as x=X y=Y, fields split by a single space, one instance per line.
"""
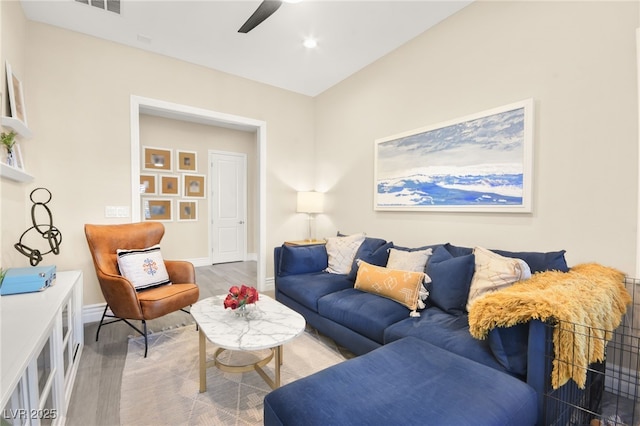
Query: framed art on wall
x=156 y=158
x=187 y=210
x=16 y=96
x=478 y=163
x=158 y=209
x=169 y=185
x=148 y=183
x=187 y=161
x=194 y=186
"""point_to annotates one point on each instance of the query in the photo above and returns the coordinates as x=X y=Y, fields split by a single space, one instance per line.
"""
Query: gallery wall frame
x=187 y=161
x=187 y=210
x=16 y=96
x=148 y=184
x=169 y=185
x=478 y=163
x=158 y=159
x=193 y=186
x=158 y=209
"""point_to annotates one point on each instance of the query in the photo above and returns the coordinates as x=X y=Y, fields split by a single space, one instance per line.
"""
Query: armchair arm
x=120 y=295
x=180 y=271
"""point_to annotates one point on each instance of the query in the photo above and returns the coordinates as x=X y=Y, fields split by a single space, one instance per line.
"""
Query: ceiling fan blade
x=266 y=9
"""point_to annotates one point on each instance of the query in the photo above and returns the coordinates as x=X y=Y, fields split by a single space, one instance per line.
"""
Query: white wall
x=576 y=59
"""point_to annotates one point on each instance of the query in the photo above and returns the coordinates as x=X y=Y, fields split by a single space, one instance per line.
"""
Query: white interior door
x=228 y=171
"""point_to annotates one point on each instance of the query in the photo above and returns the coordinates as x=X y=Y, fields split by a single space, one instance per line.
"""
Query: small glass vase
x=242 y=311
x=11 y=159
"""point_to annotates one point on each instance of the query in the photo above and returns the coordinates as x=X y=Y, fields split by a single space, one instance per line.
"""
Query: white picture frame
x=16 y=96
x=478 y=163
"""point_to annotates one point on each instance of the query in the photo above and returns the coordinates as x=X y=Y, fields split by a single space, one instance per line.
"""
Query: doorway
x=142 y=105
x=228 y=206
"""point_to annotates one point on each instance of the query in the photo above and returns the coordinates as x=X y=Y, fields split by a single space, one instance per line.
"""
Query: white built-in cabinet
x=41 y=340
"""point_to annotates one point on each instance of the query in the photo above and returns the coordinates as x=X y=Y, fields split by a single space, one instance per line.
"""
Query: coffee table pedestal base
x=257 y=366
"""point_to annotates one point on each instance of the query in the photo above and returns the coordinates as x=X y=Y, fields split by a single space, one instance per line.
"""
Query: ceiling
x=350 y=34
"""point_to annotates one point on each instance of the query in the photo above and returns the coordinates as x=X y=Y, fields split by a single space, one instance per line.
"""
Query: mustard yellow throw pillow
x=405 y=287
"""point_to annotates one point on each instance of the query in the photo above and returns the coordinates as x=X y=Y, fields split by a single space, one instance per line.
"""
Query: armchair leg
x=101 y=321
x=143 y=331
x=146 y=343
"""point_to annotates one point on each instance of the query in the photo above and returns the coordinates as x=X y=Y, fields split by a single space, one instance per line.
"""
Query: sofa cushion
x=538 y=261
x=408 y=260
x=509 y=346
x=405 y=287
x=302 y=259
x=494 y=272
x=365 y=313
x=341 y=252
x=306 y=289
x=457 y=251
x=405 y=382
x=450 y=280
x=374 y=251
x=450 y=332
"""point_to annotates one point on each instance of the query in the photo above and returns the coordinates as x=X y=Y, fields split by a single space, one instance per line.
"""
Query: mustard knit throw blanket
x=588 y=302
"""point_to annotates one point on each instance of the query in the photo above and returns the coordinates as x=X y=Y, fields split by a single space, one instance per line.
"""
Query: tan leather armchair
x=121 y=296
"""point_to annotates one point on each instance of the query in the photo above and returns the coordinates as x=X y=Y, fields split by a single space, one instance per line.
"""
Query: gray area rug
x=162 y=389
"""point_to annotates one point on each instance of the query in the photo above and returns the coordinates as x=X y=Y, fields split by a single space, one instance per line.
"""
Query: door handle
x=241 y=222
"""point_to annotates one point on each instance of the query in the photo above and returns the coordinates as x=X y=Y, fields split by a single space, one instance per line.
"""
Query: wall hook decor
x=46 y=230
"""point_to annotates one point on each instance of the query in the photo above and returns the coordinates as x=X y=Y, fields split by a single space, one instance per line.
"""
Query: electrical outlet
x=122 y=211
x=110 y=211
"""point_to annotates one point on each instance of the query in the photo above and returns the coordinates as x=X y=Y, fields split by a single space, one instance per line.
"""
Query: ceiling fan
x=266 y=9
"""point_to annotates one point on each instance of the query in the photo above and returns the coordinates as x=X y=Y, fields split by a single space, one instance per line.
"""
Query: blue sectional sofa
x=507 y=369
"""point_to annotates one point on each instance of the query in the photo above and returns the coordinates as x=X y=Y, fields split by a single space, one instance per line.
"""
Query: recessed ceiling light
x=310 y=43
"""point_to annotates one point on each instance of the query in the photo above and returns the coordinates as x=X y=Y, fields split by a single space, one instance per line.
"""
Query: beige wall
x=77 y=94
x=185 y=240
x=576 y=59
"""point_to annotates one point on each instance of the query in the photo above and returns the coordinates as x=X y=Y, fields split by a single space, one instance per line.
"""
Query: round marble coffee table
x=268 y=325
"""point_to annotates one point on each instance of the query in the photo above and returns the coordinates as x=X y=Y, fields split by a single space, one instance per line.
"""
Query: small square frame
x=157 y=209
x=157 y=159
x=169 y=185
x=148 y=184
x=16 y=96
x=187 y=210
x=187 y=161
x=194 y=186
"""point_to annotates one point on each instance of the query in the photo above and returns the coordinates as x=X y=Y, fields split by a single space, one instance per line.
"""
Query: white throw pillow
x=408 y=260
x=494 y=272
x=143 y=267
x=341 y=252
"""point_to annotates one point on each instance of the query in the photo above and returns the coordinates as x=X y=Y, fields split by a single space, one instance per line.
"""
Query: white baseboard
x=205 y=261
x=93 y=313
x=269 y=284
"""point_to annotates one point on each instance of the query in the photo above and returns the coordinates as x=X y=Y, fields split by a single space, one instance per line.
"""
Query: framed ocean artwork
x=478 y=163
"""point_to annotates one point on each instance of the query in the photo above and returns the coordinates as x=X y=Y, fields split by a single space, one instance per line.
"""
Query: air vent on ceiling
x=110 y=5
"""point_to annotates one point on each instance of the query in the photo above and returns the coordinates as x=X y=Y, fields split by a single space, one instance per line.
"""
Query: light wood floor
x=95 y=400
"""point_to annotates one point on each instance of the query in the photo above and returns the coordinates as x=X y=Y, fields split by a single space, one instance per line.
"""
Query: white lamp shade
x=310 y=202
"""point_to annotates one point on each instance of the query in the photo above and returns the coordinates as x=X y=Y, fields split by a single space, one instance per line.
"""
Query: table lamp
x=310 y=202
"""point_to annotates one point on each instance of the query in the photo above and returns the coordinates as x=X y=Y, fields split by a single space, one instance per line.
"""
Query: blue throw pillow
x=450 y=280
x=374 y=251
x=457 y=251
x=540 y=262
x=509 y=345
x=303 y=259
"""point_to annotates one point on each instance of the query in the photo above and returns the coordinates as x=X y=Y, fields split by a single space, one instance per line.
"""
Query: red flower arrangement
x=240 y=296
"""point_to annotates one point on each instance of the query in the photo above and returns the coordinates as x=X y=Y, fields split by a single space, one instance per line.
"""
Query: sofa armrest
x=294 y=260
